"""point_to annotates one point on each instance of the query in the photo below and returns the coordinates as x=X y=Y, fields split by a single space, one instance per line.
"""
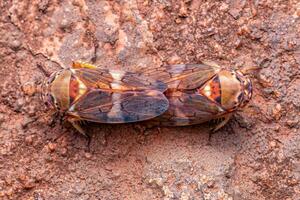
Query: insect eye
x=49 y=100
x=51 y=79
x=240 y=97
x=57 y=106
x=46 y=104
x=239 y=79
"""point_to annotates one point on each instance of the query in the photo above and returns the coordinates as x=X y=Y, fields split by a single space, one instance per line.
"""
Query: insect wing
x=187 y=109
x=185 y=76
x=117 y=80
x=104 y=106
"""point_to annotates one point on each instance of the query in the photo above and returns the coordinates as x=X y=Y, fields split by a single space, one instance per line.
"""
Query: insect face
x=229 y=89
x=247 y=88
x=56 y=90
x=46 y=95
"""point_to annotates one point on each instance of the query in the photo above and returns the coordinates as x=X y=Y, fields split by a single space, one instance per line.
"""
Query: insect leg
x=54 y=118
x=211 y=63
x=79 y=65
x=249 y=69
x=76 y=125
x=223 y=122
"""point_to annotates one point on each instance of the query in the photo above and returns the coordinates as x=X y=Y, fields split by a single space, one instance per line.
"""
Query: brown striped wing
x=117 y=80
x=104 y=106
x=187 y=109
x=183 y=76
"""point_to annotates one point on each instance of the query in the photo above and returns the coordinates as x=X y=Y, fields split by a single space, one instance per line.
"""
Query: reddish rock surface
x=255 y=156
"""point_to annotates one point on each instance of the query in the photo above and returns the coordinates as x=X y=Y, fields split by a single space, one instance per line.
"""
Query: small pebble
x=29 y=140
x=38 y=196
x=29 y=88
x=224 y=7
x=88 y=155
x=174 y=60
x=292 y=123
x=276 y=111
x=178 y=21
x=26 y=121
x=159 y=14
x=244 y=30
x=15 y=45
x=29 y=184
x=156 y=181
x=276 y=127
x=107 y=46
x=183 y=12
x=210 y=184
x=9 y=192
x=272 y=144
x=2 y=118
x=8 y=180
x=22 y=177
x=263 y=80
x=237 y=43
x=51 y=147
x=63 y=151
x=18 y=105
x=65 y=24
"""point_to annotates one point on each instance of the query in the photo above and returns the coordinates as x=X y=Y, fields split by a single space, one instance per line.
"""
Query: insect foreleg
x=222 y=122
x=75 y=123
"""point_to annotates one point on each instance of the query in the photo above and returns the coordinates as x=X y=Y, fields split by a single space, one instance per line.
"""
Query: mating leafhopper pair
x=173 y=95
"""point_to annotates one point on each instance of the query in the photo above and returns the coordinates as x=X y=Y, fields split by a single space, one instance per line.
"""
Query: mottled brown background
x=255 y=156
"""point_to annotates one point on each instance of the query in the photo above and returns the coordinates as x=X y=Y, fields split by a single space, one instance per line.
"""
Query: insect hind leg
x=76 y=124
x=221 y=121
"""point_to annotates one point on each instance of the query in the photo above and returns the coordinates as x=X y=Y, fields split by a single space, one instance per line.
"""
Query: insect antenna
x=43 y=70
x=89 y=139
x=250 y=69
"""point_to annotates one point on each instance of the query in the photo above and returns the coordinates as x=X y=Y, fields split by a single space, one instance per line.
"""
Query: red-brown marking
x=73 y=89
x=214 y=87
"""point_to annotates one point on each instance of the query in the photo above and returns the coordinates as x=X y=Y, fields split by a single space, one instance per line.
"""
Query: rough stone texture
x=255 y=156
